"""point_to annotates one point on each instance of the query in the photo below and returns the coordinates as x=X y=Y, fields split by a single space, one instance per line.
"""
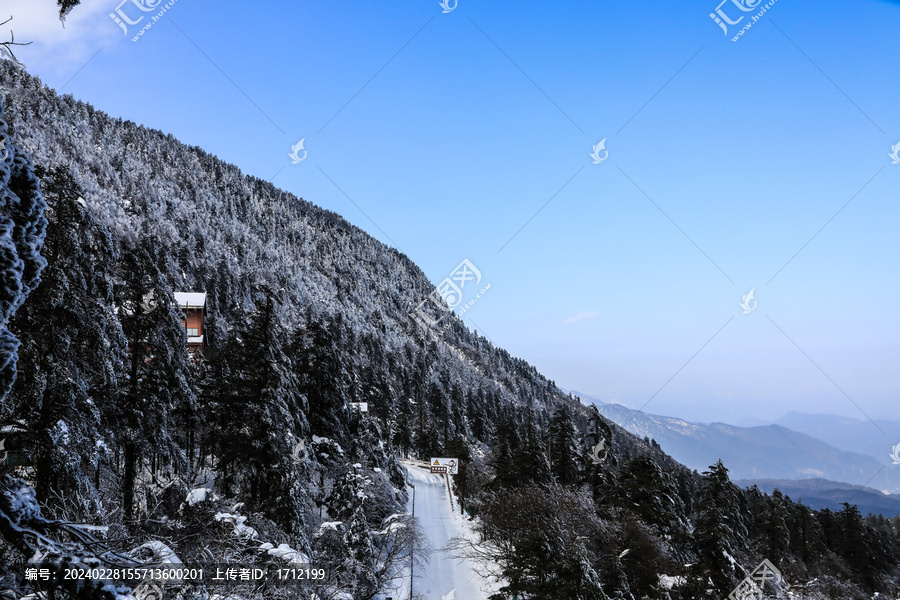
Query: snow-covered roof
x=191 y=299
x=195 y=339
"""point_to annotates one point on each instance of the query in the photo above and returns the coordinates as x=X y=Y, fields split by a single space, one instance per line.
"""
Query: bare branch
x=5 y=47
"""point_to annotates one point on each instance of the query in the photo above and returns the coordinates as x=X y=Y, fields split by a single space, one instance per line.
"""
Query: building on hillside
x=193 y=307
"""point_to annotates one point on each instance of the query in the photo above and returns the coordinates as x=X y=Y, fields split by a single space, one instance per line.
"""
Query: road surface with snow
x=443 y=574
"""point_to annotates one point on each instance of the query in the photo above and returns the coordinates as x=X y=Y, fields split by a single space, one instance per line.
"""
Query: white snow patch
x=325 y=440
x=161 y=552
x=392 y=527
x=240 y=530
x=285 y=552
x=197 y=496
x=667 y=582
x=61 y=433
x=331 y=595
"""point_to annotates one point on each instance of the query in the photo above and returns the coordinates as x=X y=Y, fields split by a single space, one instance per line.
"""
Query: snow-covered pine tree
x=644 y=488
x=316 y=349
x=252 y=400
x=531 y=460
x=600 y=477
x=158 y=367
x=22 y=229
x=72 y=352
x=720 y=534
x=768 y=525
x=562 y=451
x=345 y=504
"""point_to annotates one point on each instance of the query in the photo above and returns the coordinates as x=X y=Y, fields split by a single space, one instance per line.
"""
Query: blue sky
x=443 y=134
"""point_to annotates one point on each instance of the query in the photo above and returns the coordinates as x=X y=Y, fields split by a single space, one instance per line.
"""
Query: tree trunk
x=128 y=481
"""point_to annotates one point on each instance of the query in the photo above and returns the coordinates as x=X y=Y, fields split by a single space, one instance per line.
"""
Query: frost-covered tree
x=601 y=477
x=22 y=229
x=158 y=371
x=531 y=459
x=316 y=352
x=72 y=351
x=66 y=6
x=769 y=523
x=563 y=452
x=534 y=538
x=720 y=534
x=38 y=539
x=257 y=414
x=346 y=502
x=645 y=489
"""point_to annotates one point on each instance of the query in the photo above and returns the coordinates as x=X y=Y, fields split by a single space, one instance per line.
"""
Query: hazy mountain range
x=822 y=493
x=874 y=438
x=812 y=447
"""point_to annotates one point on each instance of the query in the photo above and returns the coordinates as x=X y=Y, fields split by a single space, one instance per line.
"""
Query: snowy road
x=443 y=574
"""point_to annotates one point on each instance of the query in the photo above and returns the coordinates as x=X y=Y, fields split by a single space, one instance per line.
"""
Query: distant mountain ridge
x=873 y=438
x=585 y=397
x=765 y=452
x=821 y=493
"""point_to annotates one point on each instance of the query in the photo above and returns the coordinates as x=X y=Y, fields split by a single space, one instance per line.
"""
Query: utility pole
x=412 y=549
x=462 y=487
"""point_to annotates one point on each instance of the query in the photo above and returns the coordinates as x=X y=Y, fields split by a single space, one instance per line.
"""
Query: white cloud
x=88 y=28
x=585 y=316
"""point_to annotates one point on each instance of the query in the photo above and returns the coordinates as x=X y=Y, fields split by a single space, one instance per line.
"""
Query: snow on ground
x=286 y=553
x=443 y=574
x=197 y=495
x=159 y=552
x=667 y=582
x=240 y=530
x=331 y=525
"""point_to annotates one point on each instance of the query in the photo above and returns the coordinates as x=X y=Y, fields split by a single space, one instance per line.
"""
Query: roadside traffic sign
x=447 y=465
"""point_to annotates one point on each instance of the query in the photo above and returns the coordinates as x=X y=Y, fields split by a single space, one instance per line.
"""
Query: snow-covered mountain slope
x=212 y=229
